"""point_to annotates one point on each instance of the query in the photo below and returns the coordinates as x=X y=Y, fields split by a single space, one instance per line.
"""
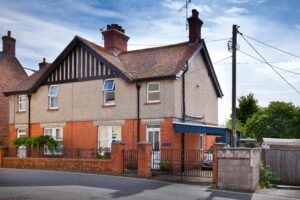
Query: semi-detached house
x=91 y=96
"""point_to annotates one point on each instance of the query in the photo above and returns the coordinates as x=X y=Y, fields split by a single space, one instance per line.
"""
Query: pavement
x=21 y=184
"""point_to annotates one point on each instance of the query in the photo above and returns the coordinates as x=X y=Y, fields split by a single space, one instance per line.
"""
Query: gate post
x=144 y=159
x=2 y=149
x=117 y=157
x=215 y=161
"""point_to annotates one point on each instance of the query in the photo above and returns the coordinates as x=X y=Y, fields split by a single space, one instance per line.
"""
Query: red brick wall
x=84 y=134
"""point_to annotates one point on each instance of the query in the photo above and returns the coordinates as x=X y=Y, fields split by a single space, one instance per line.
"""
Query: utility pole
x=234 y=47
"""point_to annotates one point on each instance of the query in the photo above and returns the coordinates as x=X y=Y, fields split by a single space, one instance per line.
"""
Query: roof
x=11 y=70
x=281 y=142
x=137 y=65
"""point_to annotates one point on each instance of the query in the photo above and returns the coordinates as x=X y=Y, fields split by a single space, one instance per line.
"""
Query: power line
x=213 y=63
x=266 y=62
x=284 y=51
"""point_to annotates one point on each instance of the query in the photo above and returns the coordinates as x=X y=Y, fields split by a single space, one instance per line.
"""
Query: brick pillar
x=215 y=161
x=144 y=159
x=117 y=157
x=2 y=149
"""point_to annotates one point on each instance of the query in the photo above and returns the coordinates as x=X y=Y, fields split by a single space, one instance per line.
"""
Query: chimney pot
x=43 y=64
x=9 y=33
x=114 y=38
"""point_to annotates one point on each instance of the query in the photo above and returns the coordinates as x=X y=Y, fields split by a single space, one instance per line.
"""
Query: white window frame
x=50 y=97
x=23 y=102
x=21 y=152
x=202 y=147
x=155 y=91
x=53 y=134
x=105 y=91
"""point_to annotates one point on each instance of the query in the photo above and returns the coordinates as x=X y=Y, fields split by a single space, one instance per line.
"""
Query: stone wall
x=238 y=169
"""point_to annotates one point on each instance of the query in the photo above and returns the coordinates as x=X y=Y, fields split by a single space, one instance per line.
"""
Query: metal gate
x=177 y=162
x=130 y=162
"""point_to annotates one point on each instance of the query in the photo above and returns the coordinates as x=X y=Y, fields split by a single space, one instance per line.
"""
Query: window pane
x=58 y=134
x=53 y=102
x=153 y=87
x=109 y=85
x=48 y=131
x=153 y=96
x=53 y=91
x=109 y=96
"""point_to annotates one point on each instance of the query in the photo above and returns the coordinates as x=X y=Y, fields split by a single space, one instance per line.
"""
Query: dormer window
x=153 y=92
x=21 y=103
x=53 y=97
x=109 y=92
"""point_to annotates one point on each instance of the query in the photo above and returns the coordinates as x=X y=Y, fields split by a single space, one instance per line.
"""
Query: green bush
x=36 y=142
x=267 y=179
x=164 y=164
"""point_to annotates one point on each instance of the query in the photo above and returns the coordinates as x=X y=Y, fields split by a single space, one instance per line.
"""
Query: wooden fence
x=285 y=163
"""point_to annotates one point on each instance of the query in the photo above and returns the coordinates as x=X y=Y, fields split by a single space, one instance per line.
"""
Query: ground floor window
x=21 y=152
x=57 y=134
x=108 y=135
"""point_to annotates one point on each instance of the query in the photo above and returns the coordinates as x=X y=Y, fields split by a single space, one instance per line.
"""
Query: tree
x=278 y=120
x=247 y=107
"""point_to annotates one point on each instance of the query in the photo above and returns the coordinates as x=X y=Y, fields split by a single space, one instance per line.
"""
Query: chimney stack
x=194 y=27
x=9 y=44
x=115 y=39
x=43 y=64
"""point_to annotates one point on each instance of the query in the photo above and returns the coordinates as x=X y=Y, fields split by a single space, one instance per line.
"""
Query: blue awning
x=198 y=127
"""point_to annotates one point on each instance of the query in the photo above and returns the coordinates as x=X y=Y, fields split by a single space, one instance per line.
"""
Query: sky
x=44 y=28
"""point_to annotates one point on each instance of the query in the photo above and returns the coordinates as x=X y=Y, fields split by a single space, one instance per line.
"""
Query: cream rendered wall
x=83 y=101
x=19 y=117
x=201 y=98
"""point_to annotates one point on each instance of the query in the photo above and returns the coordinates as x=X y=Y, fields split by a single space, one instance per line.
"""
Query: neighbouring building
x=91 y=96
x=11 y=73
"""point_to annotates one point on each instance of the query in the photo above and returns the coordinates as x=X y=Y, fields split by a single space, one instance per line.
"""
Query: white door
x=153 y=136
x=21 y=153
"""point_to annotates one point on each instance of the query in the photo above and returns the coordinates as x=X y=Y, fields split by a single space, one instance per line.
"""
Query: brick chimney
x=194 y=26
x=9 y=44
x=114 y=38
x=43 y=64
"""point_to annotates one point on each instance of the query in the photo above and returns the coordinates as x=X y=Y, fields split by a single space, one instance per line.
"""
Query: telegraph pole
x=234 y=47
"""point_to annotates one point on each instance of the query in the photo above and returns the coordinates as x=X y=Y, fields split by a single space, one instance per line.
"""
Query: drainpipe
x=138 y=88
x=29 y=121
x=185 y=69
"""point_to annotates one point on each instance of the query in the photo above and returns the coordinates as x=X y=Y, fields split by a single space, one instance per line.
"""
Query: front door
x=153 y=136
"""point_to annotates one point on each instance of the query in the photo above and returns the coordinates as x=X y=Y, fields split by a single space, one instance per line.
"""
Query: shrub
x=36 y=142
x=164 y=164
x=267 y=179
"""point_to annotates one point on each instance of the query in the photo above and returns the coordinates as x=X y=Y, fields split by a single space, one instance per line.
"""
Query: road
x=23 y=184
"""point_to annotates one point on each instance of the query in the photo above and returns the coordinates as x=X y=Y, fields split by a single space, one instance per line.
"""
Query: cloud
x=297 y=26
x=246 y=1
x=236 y=10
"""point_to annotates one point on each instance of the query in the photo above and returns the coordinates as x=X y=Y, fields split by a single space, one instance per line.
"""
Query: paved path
x=22 y=184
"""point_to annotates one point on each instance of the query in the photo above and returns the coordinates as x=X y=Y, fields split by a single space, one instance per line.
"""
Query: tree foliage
x=36 y=142
x=247 y=107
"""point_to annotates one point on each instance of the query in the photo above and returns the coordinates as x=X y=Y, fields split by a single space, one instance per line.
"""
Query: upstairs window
x=109 y=92
x=153 y=92
x=53 y=97
x=22 y=103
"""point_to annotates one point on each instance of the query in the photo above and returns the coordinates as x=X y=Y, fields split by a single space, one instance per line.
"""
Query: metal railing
x=66 y=153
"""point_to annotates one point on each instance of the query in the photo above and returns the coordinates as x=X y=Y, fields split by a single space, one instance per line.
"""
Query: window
x=21 y=132
x=57 y=134
x=21 y=103
x=109 y=92
x=108 y=135
x=201 y=142
x=153 y=92
x=53 y=96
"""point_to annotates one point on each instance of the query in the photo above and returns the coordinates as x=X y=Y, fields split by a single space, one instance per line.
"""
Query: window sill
x=21 y=111
x=152 y=103
x=52 y=109
x=108 y=105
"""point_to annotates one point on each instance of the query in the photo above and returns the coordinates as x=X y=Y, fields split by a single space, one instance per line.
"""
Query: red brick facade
x=84 y=134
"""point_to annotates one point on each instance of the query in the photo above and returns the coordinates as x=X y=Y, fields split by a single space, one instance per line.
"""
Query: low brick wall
x=97 y=166
x=238 y=169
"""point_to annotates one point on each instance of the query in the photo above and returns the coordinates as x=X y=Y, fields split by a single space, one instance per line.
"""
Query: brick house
x=11 y=73
x=91 y=96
